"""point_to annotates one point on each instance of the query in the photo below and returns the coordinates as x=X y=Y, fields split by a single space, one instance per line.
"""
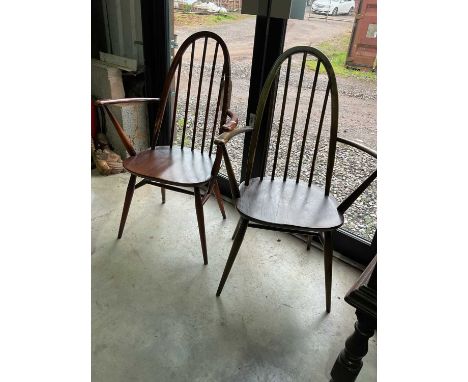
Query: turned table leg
x=349 y=363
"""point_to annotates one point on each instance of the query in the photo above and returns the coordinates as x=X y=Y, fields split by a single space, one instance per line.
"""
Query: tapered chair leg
x=201 y=223
x=243 y=223
x=163 y=195
x=237 y=229
x=128 y=201
x=309 y=241
x=328 y=262
x=219 y=198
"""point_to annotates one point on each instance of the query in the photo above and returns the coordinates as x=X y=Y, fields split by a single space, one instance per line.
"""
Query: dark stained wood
x=362 y=296
x=173 y=167
x=298 y=97
x=237 y=228
x=182 y=167
x=210 y=88
x=328 y=262
x=120 y=131
x=289 y=204
x=176 y=64
x=174 y=111
x=285 y=94
x=187 y=102
x=201 y=223
x=243 y=223
x=128 y=201
x=319 y=133
x=219 y=199
x=306 y=127
x=200 y=83
x=102 y=102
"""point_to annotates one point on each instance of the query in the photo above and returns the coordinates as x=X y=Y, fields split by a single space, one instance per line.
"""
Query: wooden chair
x=176 y=167
x=284 y=204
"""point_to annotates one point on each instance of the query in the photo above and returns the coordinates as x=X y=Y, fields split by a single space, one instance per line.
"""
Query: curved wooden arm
x=232 y=124
x=357 y=146
x=101 y=102
x=224 y=138
x=120 y=131
x=362 y=187
x=221 y=141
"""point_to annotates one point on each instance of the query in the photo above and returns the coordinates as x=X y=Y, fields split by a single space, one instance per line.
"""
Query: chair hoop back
x=224 y=92
x=270 y=89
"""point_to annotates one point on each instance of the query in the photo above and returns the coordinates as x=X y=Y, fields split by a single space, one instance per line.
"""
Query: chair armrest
x=357 y=146
x=101 y=102
x=345 y=204
x=120 y=131
x=232 y=124
x=221 y=142
x=224 y=138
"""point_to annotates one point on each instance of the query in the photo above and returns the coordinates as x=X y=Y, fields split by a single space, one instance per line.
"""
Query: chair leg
x=128 y=201
x=237 y=228
x=163 y=195
x=201 y=223
x=309 y=241
x=243 y=223
x=219 y=198
x=328 y=262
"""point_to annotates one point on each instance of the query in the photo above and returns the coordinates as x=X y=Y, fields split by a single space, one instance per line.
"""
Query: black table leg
x=349 y=363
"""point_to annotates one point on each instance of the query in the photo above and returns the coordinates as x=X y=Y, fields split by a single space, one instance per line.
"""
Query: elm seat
x=289 y=205
x=180 y=166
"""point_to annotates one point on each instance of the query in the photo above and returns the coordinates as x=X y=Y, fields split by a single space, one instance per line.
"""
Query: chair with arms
x=177 y=167
x=285 y=204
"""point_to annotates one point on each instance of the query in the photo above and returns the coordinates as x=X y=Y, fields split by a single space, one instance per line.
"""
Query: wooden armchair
x=189 y=164
x=291 y=203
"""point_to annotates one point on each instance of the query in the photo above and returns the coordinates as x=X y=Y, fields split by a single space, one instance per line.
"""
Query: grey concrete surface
x=155 y=316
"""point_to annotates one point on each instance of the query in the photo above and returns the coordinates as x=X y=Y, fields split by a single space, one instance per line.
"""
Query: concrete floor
x=155 y=316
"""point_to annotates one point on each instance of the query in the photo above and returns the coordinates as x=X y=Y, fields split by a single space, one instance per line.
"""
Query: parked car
x=333 y=7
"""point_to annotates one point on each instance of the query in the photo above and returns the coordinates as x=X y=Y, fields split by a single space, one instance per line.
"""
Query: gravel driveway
x=357 y=113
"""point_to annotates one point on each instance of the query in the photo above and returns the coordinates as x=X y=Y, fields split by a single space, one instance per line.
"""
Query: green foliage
x=214 y=19
x=187 y=8
x=336 y=50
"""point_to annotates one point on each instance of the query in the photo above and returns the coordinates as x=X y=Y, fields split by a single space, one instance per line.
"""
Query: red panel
x=363 y=45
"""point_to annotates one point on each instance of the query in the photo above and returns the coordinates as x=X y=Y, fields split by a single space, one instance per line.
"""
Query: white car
x=333 y=7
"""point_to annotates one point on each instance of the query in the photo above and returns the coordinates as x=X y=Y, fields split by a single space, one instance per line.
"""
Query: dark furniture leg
x=309 y=241
x=219 y=198
x=201 y=223
x=349 y=363
x=163 y=195
x=128 y=201
x=328 y=261
x=237 y=229
x=243 y=223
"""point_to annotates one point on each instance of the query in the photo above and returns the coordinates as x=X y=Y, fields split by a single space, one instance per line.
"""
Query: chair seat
x=176 y=166
x=288 y=205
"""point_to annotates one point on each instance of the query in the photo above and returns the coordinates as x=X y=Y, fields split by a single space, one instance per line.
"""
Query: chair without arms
x=289 y=204
x=176 y=167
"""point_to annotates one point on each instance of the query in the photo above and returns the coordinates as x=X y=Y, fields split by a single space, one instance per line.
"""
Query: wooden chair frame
x=222 y=111
x=247 y=221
